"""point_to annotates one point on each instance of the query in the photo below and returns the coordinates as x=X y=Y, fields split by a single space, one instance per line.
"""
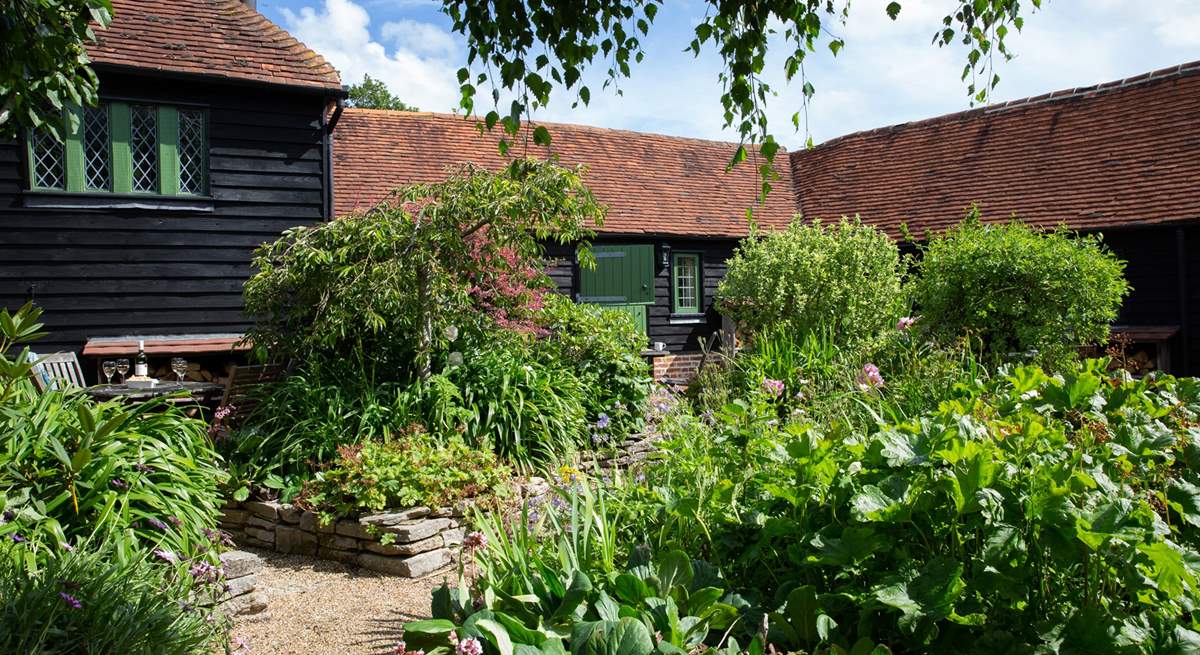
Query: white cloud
x=421 y=73
x=421 y=38
x=889 y=72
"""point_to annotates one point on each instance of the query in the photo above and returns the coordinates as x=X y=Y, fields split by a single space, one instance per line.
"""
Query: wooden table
x=198 y=391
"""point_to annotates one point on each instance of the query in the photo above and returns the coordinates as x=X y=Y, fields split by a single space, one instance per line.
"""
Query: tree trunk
x=424 y=326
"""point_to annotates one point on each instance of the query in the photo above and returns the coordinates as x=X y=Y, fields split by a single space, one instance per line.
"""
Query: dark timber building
x=216 y=134
x=212 y=137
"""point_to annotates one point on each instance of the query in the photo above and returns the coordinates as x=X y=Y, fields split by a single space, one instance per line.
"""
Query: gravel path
x=316 y=606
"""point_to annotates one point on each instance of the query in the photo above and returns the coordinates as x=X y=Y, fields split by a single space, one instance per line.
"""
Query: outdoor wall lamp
x=665 y=249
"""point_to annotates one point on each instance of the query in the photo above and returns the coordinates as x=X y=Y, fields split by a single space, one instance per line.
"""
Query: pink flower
x=475 y=541
x=773 y=387
x=905 y=323
x=469 y=646
x=870 y=378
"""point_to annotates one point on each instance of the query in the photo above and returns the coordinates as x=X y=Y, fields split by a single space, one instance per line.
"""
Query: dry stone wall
x=241 y=595
x=411 y=543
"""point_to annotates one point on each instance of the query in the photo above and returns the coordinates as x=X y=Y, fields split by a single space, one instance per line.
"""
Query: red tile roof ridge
x=1162 y=74
x=215 y=38
x=571 y=126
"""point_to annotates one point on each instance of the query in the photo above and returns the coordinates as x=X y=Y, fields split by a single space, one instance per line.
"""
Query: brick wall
x=680 y=367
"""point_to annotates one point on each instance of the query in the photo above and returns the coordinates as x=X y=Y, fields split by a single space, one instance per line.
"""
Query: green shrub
x=843 y=279
x=144 y=474
x=531 y=413
x=462 y=252
x=1022 y=513
x=406 y=472
x=100 y=600
x=1011 y=289
x=603 y=347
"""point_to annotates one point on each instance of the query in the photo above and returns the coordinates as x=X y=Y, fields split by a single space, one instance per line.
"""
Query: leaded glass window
x=48 y=160
x=687 y=283
x=97 y=155
x=143 y=147
x=122 y=148
x=191 y=151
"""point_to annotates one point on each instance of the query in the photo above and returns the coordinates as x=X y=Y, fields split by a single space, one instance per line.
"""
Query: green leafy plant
x=531 y=413
x=1022 y=512
x=548 y=582
x=144 y=475
x=841 y=279
x=603 y=347
x=1012 y=289
x=409 y=471
x=432 y=258
x=98 y=599
x=44 y=65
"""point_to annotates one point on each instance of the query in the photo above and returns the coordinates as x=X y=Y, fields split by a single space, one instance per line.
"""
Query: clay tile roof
x=652 y=184
x=1115 y=154
x=222 y=38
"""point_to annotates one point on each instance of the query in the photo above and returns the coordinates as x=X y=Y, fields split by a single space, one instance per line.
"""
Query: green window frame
x=125 y=148
x=687 y=282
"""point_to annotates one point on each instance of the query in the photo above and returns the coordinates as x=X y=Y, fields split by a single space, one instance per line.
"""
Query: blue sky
x=888 y=73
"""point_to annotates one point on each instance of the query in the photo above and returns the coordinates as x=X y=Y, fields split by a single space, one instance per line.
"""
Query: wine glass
x=122 y=368
x=109 y=367
x=180 y=366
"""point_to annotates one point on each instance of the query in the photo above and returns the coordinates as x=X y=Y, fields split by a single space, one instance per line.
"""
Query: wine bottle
x=140 y=367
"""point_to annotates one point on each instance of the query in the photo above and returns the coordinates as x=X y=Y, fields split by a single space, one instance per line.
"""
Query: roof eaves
x=327 y=89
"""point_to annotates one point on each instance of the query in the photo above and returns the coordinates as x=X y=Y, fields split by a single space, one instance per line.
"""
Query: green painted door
x=623 y=275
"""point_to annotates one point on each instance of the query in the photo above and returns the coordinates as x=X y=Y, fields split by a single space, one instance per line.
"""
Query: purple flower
x=469 y=646
x=475 y=540
x=119 y=484
x=870 y=379
x=175 y=521
x=18 y=538
x=774 y=388
x=205 y=572
x=70 y=600
x=905 y=322
x=165 y=555
x=8 y=516
x=156 y=524
x=602 y=421
x=558 y=503
x=66 y=545
x=144 y=468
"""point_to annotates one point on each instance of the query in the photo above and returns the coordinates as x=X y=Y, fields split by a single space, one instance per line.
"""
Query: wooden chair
x=57 y=369
x=241 y=390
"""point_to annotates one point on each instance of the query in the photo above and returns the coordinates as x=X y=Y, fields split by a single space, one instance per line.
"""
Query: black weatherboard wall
x=679 y=334
x=178 y=267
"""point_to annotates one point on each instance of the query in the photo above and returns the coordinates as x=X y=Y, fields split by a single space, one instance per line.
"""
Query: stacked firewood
x=196 y=372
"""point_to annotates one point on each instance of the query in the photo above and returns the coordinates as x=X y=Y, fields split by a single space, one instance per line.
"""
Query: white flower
x=451 y=333
x=456 y=358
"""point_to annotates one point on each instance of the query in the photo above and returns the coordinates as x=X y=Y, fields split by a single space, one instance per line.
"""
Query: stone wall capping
x=290 y=514
x=395 y=518
x=265 y=509
x=410 y=532
x=240 y=563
